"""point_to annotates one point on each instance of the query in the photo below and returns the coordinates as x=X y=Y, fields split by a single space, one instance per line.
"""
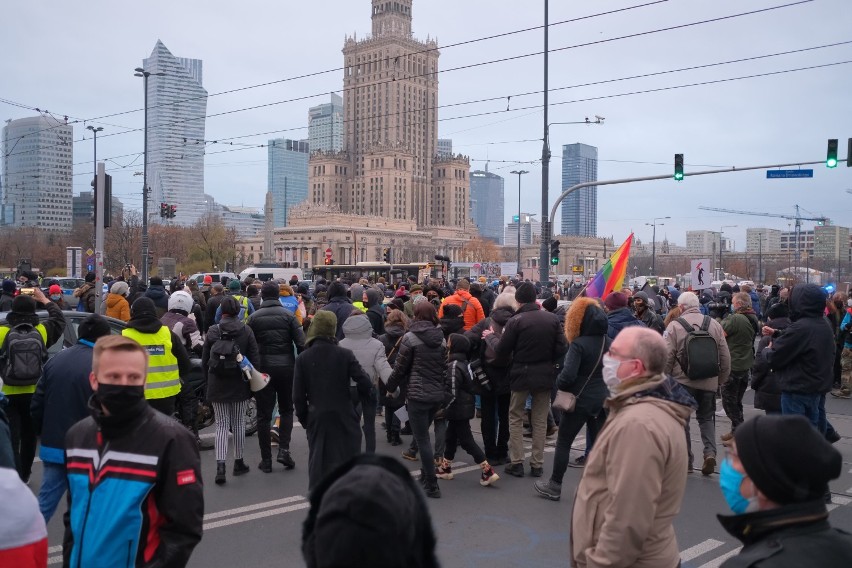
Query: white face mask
x=610 y=372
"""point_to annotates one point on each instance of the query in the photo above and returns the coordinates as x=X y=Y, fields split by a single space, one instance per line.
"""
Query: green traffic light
x=554 y=261
x=678 y=176
x=831 y=163
x=831 y=157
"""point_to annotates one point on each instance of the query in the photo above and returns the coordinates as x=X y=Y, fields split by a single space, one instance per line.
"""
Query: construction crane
x=797 y=218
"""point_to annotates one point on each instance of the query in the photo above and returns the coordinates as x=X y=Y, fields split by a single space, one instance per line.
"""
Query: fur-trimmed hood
x=585 y=317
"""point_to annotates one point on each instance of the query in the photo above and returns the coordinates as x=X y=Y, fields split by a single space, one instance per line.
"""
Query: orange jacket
x=473 y=314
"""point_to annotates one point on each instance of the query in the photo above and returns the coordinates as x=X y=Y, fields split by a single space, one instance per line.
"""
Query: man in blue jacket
x=61 y=399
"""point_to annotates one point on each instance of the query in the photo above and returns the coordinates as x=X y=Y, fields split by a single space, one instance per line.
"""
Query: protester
x=116 y=301
x=86 y=294
x=339 y=304
x=645 y=313
x=375 y=311
x=471 y=308
x=8 y=294
x=396 y=327
x=741 y=327
x=157 y=293
x=618 y=315
x=767 y=391
x=217 y=294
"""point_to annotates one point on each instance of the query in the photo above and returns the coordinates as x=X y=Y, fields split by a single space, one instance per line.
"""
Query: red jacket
x=473 y=313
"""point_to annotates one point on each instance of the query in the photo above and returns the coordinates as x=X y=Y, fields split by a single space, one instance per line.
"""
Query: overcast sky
x=77 y=59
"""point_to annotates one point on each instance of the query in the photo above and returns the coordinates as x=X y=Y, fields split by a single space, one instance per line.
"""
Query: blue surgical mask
x=729 y=481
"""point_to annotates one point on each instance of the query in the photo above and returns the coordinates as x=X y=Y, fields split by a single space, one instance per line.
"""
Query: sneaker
x=409 y=455
x=516 y=469
x=709 y=465
x=842 y=392
x=536 y=471
x=549 y=489
x=444 y=471
x=273 y=434
x=578 y=462
x=488 y=477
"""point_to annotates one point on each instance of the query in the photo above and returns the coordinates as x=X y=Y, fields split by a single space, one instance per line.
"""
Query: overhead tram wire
x=473 y=65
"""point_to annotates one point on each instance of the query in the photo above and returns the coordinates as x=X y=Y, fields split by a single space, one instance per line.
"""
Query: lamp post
x=519 y=173
x=95 y=177
x=139 y=72
x=721 y=269
x=654 y=243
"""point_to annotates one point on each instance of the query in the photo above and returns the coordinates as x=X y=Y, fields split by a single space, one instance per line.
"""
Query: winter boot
x=549 y=489
x=285 y=459
x=265 y=465
x=240 y=467
x=396 y=440
x=432 y=489
x=220 y=473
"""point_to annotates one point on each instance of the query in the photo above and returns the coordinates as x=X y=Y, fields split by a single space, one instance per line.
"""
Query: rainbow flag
x=611 y=276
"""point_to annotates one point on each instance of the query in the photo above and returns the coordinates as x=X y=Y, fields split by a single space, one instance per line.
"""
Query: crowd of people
x=118 y=418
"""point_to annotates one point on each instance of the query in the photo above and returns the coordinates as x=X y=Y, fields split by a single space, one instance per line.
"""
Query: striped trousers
x=230 y=416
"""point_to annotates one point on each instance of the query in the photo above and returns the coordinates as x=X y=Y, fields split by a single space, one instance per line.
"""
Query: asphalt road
x=256 y=520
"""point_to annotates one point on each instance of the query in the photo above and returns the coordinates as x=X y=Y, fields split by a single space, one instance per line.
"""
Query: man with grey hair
x=702 y=389
x=635 y=477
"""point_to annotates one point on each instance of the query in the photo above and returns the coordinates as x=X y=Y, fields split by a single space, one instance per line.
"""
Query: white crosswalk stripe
x=700 y=549
x=716 y=562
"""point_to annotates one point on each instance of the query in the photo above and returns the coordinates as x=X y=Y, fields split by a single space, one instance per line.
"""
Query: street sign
x=90 y=252
x=788 y=174
x=577 y=268
x=328 y=253
x=700 y=275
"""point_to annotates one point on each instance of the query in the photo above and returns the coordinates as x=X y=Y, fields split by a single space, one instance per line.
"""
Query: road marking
x=255 y=507
x=716 y=562
x=703 y=548
x=837 y=501
x=255 y=516
x=53 y=549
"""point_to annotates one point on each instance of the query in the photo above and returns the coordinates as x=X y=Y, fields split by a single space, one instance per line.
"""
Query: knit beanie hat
x=234 y=285
x=230 y=307
x=155 y=281
x=787 y=458
x=324 y=324
x=90 y=277
x=208 y=279
x=93 y=327
x=459 y=343
x=615 y=301
x=54 y=289
x=550 y=304
x=143 y=306
x=269 y=291
x=120 y=288
x=525 y=293
x=24 y=305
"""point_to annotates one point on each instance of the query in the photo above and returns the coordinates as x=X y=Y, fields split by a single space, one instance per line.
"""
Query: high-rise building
x=445 y=147
x=389 y=166
x=706 y=242
x=831 y=242
x=177 y=105
x=325 y=125
x=38 y=153
x=487 y=204
x=762 y=240
x=288 y=176
x=530 y=228
x=83 y=207
x=806 y=242
x=580 y=209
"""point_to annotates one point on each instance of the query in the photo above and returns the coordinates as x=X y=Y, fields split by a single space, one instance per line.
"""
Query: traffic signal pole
x=100 y=186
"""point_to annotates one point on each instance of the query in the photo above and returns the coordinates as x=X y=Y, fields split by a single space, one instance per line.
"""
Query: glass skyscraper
x=177 y=106
x=487 y=204
x=288 y=176
x=325 y=125
x=580 y=209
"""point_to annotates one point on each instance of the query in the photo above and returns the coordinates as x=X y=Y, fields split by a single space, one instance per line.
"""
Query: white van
x=216 y=276
x=265 y=274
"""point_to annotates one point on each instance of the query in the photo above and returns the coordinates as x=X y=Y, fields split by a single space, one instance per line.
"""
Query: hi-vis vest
x=8 y=389
x=163 y=377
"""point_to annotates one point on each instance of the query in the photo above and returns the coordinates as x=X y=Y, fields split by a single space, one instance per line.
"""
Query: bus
x=373 y=270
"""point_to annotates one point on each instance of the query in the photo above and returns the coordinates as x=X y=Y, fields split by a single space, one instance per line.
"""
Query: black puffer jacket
x=160 y=297
x=422 y=364
x=231 y=387
x=802 y=356
x=392 y=335
x=497 y=368
x=463 y=406
x=536 y=342
x=276 y=331
x=584 y=358
x=767 y=391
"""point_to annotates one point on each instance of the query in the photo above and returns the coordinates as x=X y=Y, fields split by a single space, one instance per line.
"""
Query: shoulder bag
x=566 y=401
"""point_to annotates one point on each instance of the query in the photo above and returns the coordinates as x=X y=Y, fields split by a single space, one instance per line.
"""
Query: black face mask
x=119 y=400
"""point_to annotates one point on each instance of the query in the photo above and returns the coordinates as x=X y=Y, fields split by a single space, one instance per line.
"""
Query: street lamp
x=519 y=173
x=145 y=74
x=654 y=243
x=95 y=178
x=721 y=269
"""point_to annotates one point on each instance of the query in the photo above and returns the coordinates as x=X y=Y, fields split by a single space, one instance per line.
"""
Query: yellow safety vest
x=163 y=376
x=7 y=389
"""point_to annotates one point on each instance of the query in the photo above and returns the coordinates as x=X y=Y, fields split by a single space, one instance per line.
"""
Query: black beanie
x=787 y=458
x=143 y=306
x=93 y=327
x=336 y=289
x=459 y=343
x=550 y=304
x=24 y=305
x=269 y=291
x=90 y=277
x=525 y=294
x=155 y=281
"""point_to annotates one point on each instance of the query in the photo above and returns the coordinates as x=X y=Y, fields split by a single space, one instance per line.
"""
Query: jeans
x=440 y=426
x=53 y=486
x=367 y=409
x=732 y=397
x=570 y=423
x=808 y=405
x=420 y=416
x=23 y=433
x=281 y=387
x=459 y=434
x=495 y=425
x=538 y=420
x=706 y=416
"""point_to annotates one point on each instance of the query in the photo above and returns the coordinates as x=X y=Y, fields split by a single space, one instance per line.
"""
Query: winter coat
x=231 y=386
x=740 y=330
x=622 y=519
x=619 y=319
x=325 y=405
x=117 y=307
x=213 y=303
x=86 y=294
x=391 y=340
x=675 y=336
x=421 y=364
x=160 y=297
x=793 y=535
x=370 y=352
x=767 y=391
x=61 y=399
x=375 y=311
x=278 y=334
x=755 y=303
x=536 y=342
x=584 y=360
x=652 y=320
x=186 y=329
x=6 y=302
x=802 y=356
x=342 y=307
x=289 y=300
x=150 y=324
x=462 y=388
x=496 y=368
x=473 y=311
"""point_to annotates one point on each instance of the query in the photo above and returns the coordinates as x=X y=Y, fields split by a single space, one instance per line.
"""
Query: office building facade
x=763 y=240
x=287 y=176
x=580 y=209
x=445 y=147
x=487 y=204
x=530 y=229
x=177 y=106
x=325 y=125
x=38 y=153
x=83 y=208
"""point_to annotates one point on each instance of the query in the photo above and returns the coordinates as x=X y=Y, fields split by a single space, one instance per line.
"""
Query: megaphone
x=257 y=380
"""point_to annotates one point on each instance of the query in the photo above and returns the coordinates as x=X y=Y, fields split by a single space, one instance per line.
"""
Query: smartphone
x=28 y=291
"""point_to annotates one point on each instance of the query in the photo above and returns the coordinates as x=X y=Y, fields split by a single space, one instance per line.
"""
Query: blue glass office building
x=580 y=209
x=288 y=176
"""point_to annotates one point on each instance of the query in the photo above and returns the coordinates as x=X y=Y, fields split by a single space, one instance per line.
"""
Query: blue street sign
x=787 y=174
x=90 y=267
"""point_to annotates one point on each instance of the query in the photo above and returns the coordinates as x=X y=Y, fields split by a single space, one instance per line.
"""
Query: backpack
x=24 y=355
x=700 y=352
x=223 y=355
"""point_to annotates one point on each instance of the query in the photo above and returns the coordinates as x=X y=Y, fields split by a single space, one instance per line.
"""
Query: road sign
x=328 y=253
x=577 y=268
x=700 y=274
x=90 y=252
x=788 y=174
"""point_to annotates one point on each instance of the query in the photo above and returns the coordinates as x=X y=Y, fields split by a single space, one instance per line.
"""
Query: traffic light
x=164 y=210
x=849 y=154
x=386 y=255
x=173 y=212
x=831 y=157
x=678 y=175
x=554 y=252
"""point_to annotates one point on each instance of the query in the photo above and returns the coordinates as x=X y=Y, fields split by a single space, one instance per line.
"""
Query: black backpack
x=223 y=355
x=700 y=352
x=24 y=355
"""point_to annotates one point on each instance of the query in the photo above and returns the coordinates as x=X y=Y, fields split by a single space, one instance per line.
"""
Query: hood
x=145 y=323
x=394 y=332
x=807 y=301
x=231 y=325
x=463 y=294
x=374 y=297
x=779 y=323
x=357 y=327
x=585 y=317
x=501 y=315
x=662 y=390
x=78 y=293
x=427 y=333
x=156 y=292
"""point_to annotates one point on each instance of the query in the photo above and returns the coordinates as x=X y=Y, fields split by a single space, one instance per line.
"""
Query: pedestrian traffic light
x=386 y=255
x=554 y=252
x=678 y=167
x=173 y=212
x=831 y=158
